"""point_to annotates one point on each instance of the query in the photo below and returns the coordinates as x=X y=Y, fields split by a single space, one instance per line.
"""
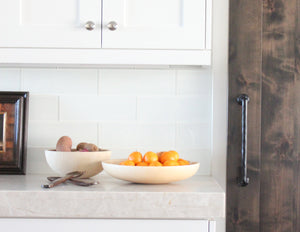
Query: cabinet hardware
x=112 y=26
x=243 y=100
x=89 y=25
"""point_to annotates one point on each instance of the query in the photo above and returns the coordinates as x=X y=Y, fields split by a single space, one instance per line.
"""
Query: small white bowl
x=65 y=162
x=149 y=175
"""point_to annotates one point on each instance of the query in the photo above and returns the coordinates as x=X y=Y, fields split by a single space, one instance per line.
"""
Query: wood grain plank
x=296 y=218
x=279 y=156
x=244 y=77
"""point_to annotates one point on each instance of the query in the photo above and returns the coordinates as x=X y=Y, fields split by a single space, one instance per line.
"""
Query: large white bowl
x=147 y=174
x=65 y=162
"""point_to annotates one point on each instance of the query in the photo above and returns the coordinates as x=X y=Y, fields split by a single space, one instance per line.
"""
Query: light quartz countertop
x=199 y=197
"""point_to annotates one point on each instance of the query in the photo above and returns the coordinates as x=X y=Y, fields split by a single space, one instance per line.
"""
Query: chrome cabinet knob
x=112 y=26
x=89 y=25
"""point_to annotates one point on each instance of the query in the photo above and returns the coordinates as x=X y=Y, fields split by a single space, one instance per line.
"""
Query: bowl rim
x=74 y=150
x=107 y=162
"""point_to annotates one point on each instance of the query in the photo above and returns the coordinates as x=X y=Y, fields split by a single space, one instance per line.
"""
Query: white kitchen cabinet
x=112 y=225
x=148 y=32
x=50 y=23
x=155 y=24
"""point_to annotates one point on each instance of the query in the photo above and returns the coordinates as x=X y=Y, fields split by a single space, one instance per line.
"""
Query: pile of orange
x=166 y=158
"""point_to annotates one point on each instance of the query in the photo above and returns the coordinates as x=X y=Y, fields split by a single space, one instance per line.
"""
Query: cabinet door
x=50 y=23
x=154 y=24
x=264 y=63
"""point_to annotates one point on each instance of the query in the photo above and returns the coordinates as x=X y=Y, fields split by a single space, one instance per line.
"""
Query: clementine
x=127 y=163
x=136 y=157
x=150 y=156
x=171 y=163
x=155 y=163
x=142 y=164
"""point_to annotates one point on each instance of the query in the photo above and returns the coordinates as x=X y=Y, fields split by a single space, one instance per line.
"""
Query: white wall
x=119 y=109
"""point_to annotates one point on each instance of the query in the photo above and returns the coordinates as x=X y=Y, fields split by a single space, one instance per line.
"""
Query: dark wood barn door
x=264 y=63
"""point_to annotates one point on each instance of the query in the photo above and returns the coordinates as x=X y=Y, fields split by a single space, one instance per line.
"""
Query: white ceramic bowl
x=65 y=162
x=149 y=175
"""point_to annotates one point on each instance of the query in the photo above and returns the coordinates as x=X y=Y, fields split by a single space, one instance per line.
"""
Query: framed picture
x=13 y=132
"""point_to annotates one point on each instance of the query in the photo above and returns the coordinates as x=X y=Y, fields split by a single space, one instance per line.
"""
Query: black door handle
x=243 y=100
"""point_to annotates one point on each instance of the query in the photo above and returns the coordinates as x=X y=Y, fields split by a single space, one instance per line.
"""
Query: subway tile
x=61 y=81
x=157 y=109
x=102 y=108
x=137 y=82
x=43 y=107
x=10 y=79
x=170 y=109
x=194 y=109
x=193 y=82
x=137 y=136
x=36 y=161
x=46 y=134
x=193 y=136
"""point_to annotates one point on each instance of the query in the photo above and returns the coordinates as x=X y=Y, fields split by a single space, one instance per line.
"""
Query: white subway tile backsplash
x=137 y=82
x=37 y=161
x=46 y=134
x=10 y=79
x=170 y=109
x=43 y=107
x=101 y=108
x=157 y=109
x=61 y=81
x=137 y=136
x=193 y=82
x=193 y=136
x=194 y=109
x=122 y=109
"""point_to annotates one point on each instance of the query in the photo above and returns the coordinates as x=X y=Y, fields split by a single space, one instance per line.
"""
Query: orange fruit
x=159 y=154
x=142 y=164
x=183 y=162
x=127 y=163
x=175 y=153
x=155 y=163
x=150 y=156
x=171 y=163
x=169 y=155
x=136 y=157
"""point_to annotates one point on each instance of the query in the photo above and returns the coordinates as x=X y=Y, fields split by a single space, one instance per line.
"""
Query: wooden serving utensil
x=60 y=180
x=77 y=181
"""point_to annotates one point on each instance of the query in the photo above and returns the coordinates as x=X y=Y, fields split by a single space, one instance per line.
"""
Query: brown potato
x=64 y=144
x=86 y=147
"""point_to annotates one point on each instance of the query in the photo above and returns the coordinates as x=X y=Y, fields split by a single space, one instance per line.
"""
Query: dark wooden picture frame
x=13 y=132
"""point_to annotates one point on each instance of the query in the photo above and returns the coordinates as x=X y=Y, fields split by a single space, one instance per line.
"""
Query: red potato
x=64 y=144
x=86 y=147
